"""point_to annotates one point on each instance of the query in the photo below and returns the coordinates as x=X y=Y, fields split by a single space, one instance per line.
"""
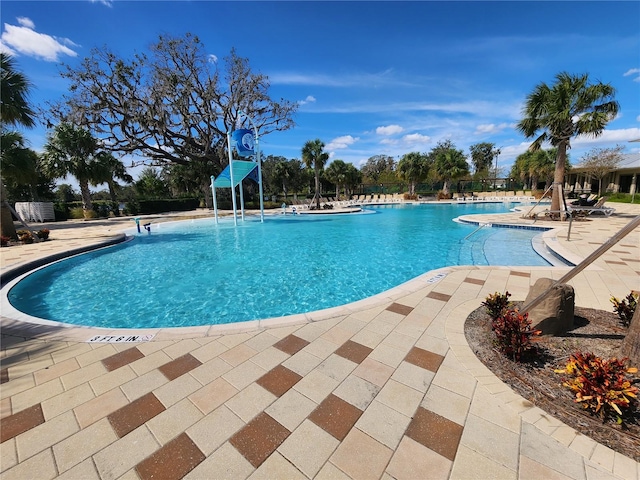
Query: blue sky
x=370 y=77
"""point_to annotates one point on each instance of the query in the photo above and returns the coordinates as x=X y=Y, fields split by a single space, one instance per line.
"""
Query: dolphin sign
x=244 y=142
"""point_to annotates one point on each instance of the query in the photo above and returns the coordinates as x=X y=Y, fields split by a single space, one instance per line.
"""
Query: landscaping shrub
x=43 y=234
x=625 y=308
x=131 y=208
x=76 y=213
x=513 y=334
x=61 y=211
x=601 y=386
x=170 y=205
x=25 y=236
x=497 y=304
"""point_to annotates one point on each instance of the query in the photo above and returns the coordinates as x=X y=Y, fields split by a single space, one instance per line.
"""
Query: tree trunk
x=558 y=176
x=33 y=190
x=631 y=344
x=112 y=191
x=205 y=187
x=317 y=188
x=7 y=228
x=87 y=206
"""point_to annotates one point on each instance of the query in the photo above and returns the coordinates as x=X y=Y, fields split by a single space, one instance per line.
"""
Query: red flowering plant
x=496 y=304
x=513 y=334
x=601 y=386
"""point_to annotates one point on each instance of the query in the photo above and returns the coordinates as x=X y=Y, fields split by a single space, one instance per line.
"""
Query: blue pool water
x=198 y=273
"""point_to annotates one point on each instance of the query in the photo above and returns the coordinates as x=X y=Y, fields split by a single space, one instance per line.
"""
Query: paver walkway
x=383 y=388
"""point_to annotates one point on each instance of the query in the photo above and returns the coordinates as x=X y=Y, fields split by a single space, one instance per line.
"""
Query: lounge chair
x=584 y=201
x=597 y=207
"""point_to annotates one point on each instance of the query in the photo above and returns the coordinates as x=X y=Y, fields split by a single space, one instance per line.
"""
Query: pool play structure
x=199 y=272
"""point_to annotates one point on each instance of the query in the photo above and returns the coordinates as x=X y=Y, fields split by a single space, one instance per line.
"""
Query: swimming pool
x=199 y=273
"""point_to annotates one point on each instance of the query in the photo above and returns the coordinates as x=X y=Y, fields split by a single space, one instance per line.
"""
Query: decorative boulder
x=555 y=314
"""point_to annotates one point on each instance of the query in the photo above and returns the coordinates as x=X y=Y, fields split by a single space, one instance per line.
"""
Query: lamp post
x=496 y=153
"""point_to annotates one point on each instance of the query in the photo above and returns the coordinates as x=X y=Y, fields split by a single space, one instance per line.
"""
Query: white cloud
x=309 y=99
x=388 y=141
x=107 y=3
x=638 y=118
x=25 y=40
x=341 y=142
x=376 y=79
x=633 y=71
x=490 y=128
x=212 y=58
x=473 y=107
x=608 y=136
x=416 y=139
x=26 y=22
x=389 y=130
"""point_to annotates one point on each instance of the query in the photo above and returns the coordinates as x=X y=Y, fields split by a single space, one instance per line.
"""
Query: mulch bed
x=595 y=331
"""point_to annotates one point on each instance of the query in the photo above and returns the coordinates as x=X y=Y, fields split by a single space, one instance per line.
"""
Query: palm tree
x=314 y=157
x=282 y=173
x=520 y=169
x=14 y=111
x=108 y=169
x=569 y=108
x=14 y=90
x=72 y=150
x=449 y=163
x=19 y=164
x=337 y=173
x=413 y=167
x=353 y=177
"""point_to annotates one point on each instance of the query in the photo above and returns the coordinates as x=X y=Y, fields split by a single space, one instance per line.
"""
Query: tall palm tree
x=14 y=111
x=72 y=150
x=14 y=91
x=353 y=177
x=413 y=167
x=314 y=157
x=520 y=169
x=569 y=108
x=108 y=169
x=19 y=164
x=337 y=173
x=449 y=163
x=281 y=173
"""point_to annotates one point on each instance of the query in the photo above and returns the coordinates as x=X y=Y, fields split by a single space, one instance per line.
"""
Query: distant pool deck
x=386 y=387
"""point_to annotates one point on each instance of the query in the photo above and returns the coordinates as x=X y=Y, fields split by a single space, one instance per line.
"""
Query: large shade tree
x=377 y=167
x=314 y=156
x=14 y=111
x=600 y=162
x=570 y=107
x=72 y=150
x=278 y=174
x=482 y=156
x=174 y=104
